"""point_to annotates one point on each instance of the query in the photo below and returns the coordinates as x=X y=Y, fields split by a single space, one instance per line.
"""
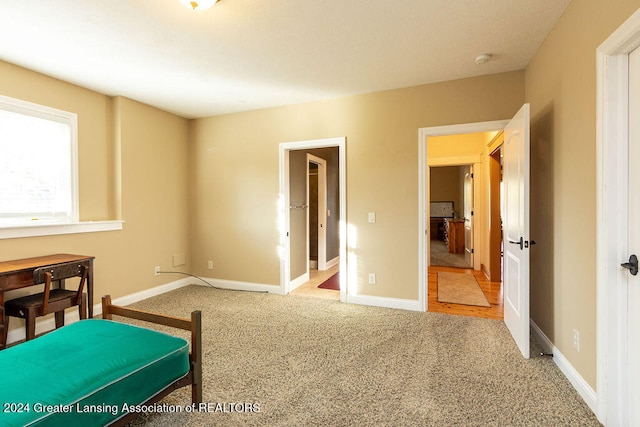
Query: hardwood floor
x=492 y=290
x=310 y=288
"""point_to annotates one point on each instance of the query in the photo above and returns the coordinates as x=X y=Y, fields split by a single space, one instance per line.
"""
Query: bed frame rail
x=194 y=325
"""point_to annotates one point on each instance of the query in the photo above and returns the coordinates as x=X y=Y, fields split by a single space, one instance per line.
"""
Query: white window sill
x=55 y=229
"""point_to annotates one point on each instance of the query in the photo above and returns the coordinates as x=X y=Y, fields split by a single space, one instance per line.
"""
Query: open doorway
x=313 y=205
x=451 y=216
x=322 y=218
x=464 y=192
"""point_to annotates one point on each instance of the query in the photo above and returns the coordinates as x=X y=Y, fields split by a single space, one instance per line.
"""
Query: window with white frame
x=38 y=164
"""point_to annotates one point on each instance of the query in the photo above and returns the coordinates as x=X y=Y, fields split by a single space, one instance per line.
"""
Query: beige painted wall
x=133 y=166
x=452 y=147
x=561 y=87
x=445 y=185
x=235 y=167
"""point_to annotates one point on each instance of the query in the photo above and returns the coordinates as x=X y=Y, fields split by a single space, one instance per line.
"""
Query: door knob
x=519 y=242
x=632 y=265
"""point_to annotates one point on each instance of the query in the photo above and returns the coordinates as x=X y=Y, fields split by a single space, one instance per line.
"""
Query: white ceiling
x=248 y=54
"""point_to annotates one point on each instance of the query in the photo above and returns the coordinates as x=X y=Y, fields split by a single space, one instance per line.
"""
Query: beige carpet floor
x=460 y=288
x=315 y=362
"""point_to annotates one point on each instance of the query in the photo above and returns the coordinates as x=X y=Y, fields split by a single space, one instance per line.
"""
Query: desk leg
x=90 y=290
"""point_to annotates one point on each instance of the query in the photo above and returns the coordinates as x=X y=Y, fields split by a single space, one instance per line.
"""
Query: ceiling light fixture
x=198 y=5
x=481 y=59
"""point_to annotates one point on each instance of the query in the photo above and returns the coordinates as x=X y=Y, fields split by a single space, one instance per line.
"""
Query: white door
x=516 y=228
x=468 y=215
x=633 y=281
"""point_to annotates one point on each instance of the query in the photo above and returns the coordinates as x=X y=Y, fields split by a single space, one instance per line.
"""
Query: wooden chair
x=50 y=300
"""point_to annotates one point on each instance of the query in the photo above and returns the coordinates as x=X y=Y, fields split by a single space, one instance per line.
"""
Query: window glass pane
x=35 y=169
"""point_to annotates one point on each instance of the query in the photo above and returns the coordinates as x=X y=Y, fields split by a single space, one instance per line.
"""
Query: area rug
x=460 y=288
x=332 y=282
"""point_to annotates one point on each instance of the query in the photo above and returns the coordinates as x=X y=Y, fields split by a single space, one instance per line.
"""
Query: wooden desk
x=18 y=274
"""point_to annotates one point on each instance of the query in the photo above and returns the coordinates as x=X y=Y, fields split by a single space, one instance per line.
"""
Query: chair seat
x=15 y=306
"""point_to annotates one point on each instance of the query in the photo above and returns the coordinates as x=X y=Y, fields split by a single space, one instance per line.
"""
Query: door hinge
x=471 y=213
x=472 y=251
x=471 y=175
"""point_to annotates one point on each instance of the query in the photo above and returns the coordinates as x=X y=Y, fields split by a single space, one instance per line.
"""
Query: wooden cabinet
x=454 y=235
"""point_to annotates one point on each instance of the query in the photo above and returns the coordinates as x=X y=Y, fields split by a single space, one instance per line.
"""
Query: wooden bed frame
x=194 y=377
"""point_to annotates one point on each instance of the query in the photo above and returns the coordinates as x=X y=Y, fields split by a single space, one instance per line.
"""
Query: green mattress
x=88 y=373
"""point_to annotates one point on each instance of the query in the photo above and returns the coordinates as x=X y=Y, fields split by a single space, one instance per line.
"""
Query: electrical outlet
x=371 y=217
x=210 y=265
x=576 y=340
x=372 y=278
x=156 y=270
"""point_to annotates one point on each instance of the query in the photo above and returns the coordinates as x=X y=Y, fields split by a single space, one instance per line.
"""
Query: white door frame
x=423 y=189
x=612 y=112
x=284 y=202
x=322 y=211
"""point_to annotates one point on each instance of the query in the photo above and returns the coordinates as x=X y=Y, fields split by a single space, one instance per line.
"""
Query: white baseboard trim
x=403 y=304
x=332 y=262
x=71 y=315
x=244 y=286
x=147 y=293
x=298 y=281
x=18 y=334
x=585 y=391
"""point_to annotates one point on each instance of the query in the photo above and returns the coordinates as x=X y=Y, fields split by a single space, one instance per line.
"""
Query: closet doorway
x=313 y=243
